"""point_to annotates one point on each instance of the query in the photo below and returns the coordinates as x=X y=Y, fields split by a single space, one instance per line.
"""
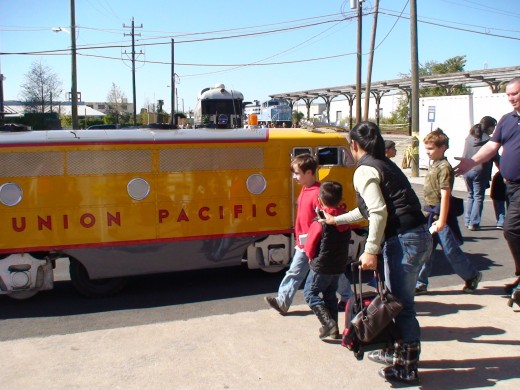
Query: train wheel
x=93 y=288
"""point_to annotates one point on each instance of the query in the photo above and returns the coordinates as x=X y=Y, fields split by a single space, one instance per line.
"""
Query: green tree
x=431 y=68
x=297 y=116
x=40 y=88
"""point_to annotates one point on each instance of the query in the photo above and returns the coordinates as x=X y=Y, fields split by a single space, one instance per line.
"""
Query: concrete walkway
x=469 y=342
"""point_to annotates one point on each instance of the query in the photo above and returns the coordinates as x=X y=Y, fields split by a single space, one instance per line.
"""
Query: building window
x=101 y=106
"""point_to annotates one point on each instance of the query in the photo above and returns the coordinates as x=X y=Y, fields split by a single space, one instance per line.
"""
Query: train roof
x=146 y=135
x=219 y=92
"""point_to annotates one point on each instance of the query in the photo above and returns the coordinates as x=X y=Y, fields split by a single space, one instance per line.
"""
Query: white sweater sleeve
x=367 y=182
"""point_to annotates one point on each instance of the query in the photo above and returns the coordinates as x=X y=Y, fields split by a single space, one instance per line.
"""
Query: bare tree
x=116 y=103
x=41 y=86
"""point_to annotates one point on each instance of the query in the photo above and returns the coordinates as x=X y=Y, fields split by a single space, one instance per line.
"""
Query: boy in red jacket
x=327 y=249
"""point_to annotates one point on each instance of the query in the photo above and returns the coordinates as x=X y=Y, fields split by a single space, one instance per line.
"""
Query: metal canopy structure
x=494 y=78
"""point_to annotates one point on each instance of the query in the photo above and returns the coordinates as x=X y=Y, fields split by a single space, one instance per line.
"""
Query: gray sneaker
x=273 y=302
x=471 y=285
x=382 y=356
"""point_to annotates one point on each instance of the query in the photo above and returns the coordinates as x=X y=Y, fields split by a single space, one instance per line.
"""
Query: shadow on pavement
x=468 y=373
x=149 y=291
x=438 y=309
x=465 y=335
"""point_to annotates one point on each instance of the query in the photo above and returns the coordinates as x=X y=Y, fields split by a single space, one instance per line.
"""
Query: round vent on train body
x=138 y=188
x=10 y=194
x=256 y=184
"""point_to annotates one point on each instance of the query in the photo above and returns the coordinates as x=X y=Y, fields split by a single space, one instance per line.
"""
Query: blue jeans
x=294 y=277
x=476 y=186
x=458 y=260
x=500 y=211
x=403 y=256
x=326 y=285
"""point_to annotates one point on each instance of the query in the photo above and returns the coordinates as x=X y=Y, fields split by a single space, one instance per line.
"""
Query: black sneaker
x=382 y=356
x=471 y=285
x=421 y=290
x=399 y=374
x=272 y=302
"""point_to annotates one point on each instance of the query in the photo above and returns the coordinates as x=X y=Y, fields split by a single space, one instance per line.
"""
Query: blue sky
x=281 y=37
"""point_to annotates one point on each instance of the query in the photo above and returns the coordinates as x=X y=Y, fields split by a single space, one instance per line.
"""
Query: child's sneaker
x=421 y=290
x=471 y=285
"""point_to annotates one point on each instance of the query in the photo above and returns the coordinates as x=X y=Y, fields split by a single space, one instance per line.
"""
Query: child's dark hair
x=331 y=193
x=368 y=136
x=305 y=162
x=438 y=138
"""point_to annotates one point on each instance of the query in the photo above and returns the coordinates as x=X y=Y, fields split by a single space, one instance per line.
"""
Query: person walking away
x=304 y=167
x=506 y=134
x=327 y=250
x=477 y=179
x=397 y=229
x=443 y=225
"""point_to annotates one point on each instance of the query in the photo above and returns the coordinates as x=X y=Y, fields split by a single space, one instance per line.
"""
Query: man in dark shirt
x=507 y=134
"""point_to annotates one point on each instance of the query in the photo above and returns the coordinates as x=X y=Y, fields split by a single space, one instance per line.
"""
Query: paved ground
x=469 y=341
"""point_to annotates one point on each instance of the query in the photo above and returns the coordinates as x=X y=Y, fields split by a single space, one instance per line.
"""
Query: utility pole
x=172 y=84
x=2 y=113
x=370 y=63
x=359 y=52
x=133 y=34
x=74 y=89
x=414 y=97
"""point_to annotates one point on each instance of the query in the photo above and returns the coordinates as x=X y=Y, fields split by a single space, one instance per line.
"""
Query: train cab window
x=298 y=151
x=329 y=156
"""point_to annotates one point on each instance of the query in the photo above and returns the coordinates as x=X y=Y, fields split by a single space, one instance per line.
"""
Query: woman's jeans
x=458 y=260
x=403 y=256
x=500 y=211
x=476 y=186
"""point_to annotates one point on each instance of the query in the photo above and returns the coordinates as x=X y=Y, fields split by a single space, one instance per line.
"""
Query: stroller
x=385 y=339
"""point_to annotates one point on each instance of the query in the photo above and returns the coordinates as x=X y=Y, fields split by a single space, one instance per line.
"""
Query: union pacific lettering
x=89 y=220
x=205 y=213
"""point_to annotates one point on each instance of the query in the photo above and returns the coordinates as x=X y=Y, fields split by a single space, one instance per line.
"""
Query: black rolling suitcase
x=362 y=299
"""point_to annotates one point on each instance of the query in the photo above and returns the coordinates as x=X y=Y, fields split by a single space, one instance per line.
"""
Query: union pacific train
x=115 y=203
